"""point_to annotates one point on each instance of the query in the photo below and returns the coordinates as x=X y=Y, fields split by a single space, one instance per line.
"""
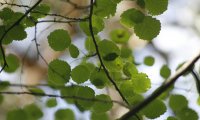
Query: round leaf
x=51 y=102
x=119 y=36
x=165 y=72
x=17 y=114
x=148 y=29
x=73 y=50
x=33 y=111
x=149 y=60
x=58 y=72
x=177 y=102
x=64 y=114
x=187 y=114
x=155 y=109
x=59 y=40
x=80 y=74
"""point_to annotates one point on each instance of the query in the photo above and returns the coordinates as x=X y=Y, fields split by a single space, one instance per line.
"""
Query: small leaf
x=101 y=107
x=177 y=102
x=13 y=63
x=58 y=72
x=155 y=109
x=59 y=40
x=51 y=102
x=33 y=111
x=80 y=74
x=156 y=7
x=129 y=69
x=119 y=36
x=148 y=29
x=131 y=17
x=141 y=82
x=73 y=50
x=149 y=60
x=165 y=72
x=64 y=114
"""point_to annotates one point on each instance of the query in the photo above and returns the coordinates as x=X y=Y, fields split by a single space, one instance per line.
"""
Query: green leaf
x=129 y=69
x=13 y=63
x=17 y=114
x=6 y=13
x=105 y=8
x=40 y=11
x=85 y=93
x=16 y=33
x=149 y=60
x=51 y=102
x=59 y=40
x=148 y=29
x=177 y=102
x=119 y=36
x=4 y=85
x=1 y=99
x=96 y=116
x=36 y=90
x=33 y=112
x=156 y=7
x=131 y=17
x=187 y=114
x=64 y=114
x=126 y=52
x=97 y=25
x=58 y=72
x=108 y=50
x=114 y=66
x=80 y=74
x=101 y=107
x=165 y=72
x=99 y=78
x=141 y=82
x=155 y=109
x=73 y=50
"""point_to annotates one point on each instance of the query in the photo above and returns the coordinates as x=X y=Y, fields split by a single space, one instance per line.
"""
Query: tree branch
x=99 y=55
x=61 y=96
x=185 y=68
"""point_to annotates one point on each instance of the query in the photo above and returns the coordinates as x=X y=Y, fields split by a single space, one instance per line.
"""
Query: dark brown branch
x=185 y=68
x=10 y=28
x=99 y=55
x=61 y=96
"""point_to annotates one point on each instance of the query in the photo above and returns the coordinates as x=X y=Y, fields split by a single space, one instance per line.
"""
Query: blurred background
x=178 y=41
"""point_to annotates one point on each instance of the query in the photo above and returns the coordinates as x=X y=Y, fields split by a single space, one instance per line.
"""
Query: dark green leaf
x=165 y=72
x=17 y=114
x=33 y=112
x=64 y=114
x=187 y=114
x=178 y=102
x=58 y=72
x=40 y=11
x=73 y=50
x=102 y=116
x=80 y=74
x=149 y=60
x=156 y=7
x=59 y=40
x=51 y=102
